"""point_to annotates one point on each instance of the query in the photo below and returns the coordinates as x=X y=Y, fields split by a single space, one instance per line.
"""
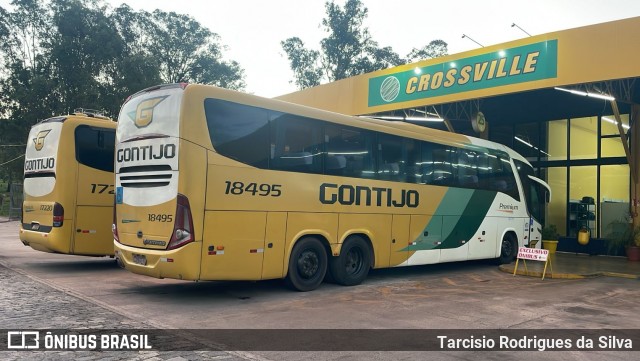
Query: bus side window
x=391 y=165
x=237 y=131
x=467 y=169
x=436 y=164
x=95 y=147
x=335 y=162
x=296 y=144
x=412 y=158
x=502 y=176
x=348 y=152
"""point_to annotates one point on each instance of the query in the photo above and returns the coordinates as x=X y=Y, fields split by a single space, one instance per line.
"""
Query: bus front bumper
x=182 y=263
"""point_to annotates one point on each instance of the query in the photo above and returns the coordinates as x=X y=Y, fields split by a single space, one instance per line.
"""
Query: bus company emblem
x=39 y=139
x=143 y=115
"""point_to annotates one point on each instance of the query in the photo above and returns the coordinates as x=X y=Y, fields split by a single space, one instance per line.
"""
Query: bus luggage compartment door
x=233 y=245
x=92 y=231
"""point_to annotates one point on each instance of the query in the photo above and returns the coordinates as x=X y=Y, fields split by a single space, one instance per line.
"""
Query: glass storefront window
x=611 y=143
x=609 y=126
x=584 y=138
x=557 y=209
x=614 y=198
x=611 y=147
x=582 y=196
x=614 y=183
x=556 y=145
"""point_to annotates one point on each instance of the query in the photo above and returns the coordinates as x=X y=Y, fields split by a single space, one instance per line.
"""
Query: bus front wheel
x=352 y=265
x=307 y=265
x=508 y=249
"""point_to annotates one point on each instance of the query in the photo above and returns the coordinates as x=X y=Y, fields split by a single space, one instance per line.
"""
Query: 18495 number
x=263 y=190
x=160 y=217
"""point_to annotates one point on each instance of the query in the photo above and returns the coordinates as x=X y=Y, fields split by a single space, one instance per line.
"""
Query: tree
x=436 y=48
x=348 y=49
x=27 y=89
x=58 y=55
x=185 y=51
x=303 y=63
x=135 y=69
x=82 y=50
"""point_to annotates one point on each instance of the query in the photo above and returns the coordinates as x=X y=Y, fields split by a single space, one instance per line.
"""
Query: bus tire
x=307 y=265
x=352 y=265
x=508 y=249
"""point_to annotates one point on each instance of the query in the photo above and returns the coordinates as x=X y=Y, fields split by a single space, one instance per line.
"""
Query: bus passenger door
x=233 y=245
x=425 y=235
x=399 y=240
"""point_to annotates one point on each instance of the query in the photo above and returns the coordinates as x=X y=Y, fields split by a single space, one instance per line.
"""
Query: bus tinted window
x=436 y=165
x=501 y=177
x=238 y=131
x=281 y=141
x=296 y=143
x=349 y=152
x=391 y=164
x=533 y=193
x=466 y=169
x=412 y=159
x=95 y=147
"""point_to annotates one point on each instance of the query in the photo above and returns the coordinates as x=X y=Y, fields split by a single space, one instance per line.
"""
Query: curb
x=538 y=274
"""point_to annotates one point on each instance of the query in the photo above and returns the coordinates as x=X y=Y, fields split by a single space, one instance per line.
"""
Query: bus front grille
x=145 y=176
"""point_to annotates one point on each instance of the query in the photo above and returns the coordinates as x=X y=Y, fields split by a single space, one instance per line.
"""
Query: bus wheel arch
x=308 y=263
x=508 y=248
x=353 y=263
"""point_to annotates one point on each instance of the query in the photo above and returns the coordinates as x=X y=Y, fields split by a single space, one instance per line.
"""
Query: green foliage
x=303 y=63
x=550 y=233
x=348 y=49
x=436 y=48
x=185 y=51
x=59 y=55
x=623 y=234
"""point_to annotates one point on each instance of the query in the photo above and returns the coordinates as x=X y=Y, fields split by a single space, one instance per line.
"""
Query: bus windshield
x=536 y=194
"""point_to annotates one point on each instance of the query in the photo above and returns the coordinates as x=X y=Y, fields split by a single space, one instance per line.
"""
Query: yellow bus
x=213 y=184
x=68 y=185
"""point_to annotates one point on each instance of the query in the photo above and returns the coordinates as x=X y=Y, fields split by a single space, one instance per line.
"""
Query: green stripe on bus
x=468 y=223
x=457 y=218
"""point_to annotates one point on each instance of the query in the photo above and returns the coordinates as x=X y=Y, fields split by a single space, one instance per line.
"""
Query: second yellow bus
x=68 y=185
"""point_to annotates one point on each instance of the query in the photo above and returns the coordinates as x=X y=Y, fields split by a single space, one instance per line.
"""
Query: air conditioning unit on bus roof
x=92 y=113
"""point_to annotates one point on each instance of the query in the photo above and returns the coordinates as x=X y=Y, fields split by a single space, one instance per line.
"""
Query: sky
x=253 y=29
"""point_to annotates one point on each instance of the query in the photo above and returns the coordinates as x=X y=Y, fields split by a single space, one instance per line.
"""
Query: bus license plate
x=140 y=259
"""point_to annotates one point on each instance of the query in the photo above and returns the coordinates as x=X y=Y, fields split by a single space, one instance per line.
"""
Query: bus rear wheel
x=352 y=265
x=508 y=249
x=307 y=265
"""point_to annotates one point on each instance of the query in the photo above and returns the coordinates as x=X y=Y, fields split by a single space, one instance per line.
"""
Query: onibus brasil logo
x=143 y=115
x=39 y=139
